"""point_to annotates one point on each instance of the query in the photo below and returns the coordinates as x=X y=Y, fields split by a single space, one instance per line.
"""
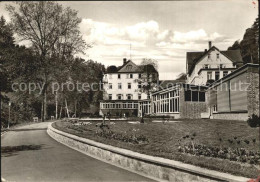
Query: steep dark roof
x=234 y=55
x=193 y=57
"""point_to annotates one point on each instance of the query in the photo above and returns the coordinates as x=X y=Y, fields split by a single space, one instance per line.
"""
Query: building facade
x=179 y=101
x=211 y=65
x=235 y=96
x=123 y=88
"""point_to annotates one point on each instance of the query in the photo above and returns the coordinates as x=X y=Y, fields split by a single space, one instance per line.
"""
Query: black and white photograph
x=120 y=91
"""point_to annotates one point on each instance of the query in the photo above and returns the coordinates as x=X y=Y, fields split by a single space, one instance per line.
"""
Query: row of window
x=217 y=75
x=119 y=105
x=195 y=96
x=120 y=96
x=145 y=107
x=130 y=75
x=166 y=102
x=207 y=66
x=119 y=85
x=209 y=56
x=173 y=93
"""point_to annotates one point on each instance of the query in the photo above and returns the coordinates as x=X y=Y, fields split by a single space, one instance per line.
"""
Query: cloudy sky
x=161 y=30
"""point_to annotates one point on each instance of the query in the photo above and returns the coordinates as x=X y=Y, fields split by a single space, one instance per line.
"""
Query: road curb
x=155 y=167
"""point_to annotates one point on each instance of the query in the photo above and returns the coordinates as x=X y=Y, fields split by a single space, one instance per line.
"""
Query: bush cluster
x=238 y=154
x=254 y=121
x=124 y=137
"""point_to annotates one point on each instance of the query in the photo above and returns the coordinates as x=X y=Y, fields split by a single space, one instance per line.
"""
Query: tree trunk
x=60 y=111
x=56 y=102
x=45 y=105
x=66 y=105
x=75 y=108
x=42 y=111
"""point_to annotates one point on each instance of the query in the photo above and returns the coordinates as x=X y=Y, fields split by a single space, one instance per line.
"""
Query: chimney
x=124 y=60
x=209 y=44
x=205 y=50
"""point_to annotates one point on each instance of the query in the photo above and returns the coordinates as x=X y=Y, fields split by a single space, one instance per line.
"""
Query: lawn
x=166 y=139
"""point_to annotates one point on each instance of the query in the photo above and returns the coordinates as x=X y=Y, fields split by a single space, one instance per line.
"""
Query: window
x=195 y=96
x=119 y=97
x=129 y=96
x=131 y=75
x=202 y=97
x=225 y=73
x=217 y=75
x=217 y=55
x=208 y=56
x=118 y=76
x=187 y=95
x=129 y=67
x=129 y=85
x=139 y=75
x=215 y=109
x=110 y=86
x=139 y=96
x=119 y=86
x=206 y=66
x=139 y=85
x=220 y=66
x=110 y=96
x=209 y=76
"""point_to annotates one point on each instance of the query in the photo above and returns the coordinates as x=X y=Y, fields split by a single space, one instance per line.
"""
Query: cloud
x=148 y=40
x=194 y=36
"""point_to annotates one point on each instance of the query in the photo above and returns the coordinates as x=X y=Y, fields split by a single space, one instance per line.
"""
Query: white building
x=122 y=89
x=211 y=64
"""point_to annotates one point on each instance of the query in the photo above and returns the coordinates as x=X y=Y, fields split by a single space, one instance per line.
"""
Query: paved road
x=29 y=154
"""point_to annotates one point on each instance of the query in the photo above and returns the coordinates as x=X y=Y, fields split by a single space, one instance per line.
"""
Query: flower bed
x=239 y=154
x=208 y=138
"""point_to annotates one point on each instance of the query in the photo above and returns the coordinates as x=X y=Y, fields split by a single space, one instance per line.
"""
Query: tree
x=17 y=65
x=249 y=44
x=149 y=77
x=52 y=32
x=149 y=61
x=235 y=46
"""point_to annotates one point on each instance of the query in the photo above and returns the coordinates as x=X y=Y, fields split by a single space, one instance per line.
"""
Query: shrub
x=254 y=121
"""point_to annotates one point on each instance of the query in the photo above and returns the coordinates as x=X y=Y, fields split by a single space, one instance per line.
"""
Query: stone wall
x=153 y=167
x=253 y=92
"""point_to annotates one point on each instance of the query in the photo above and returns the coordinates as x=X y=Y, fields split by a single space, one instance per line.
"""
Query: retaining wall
x=154 y=167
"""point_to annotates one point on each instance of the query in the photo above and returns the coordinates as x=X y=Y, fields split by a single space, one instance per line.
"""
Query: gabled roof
x=192 y=58
x=124 y=68
x=135 y=68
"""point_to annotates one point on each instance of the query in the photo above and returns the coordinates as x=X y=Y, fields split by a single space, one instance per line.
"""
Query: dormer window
x=129 y=67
